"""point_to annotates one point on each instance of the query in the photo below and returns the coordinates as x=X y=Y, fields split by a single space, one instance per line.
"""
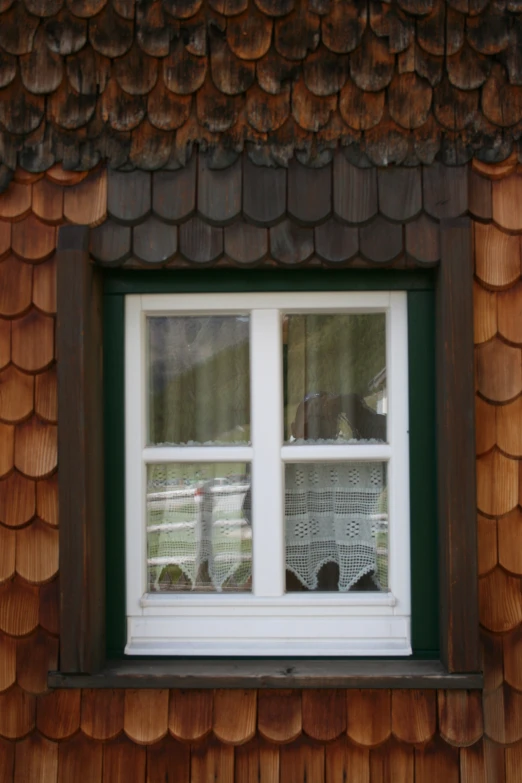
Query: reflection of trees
x=335 y=353
x=199 y=379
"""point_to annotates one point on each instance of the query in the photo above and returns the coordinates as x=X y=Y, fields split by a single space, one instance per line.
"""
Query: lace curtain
x=198 y=518
x=333 y=513
x=197 y=522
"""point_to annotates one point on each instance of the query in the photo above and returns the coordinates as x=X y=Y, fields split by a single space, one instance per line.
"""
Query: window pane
x=199 y=528
x=199 y=386
x=335 y=377
x=336 y=526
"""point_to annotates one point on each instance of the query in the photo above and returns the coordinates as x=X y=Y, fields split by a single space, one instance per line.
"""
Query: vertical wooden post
x=80 y=450
x=459 y=622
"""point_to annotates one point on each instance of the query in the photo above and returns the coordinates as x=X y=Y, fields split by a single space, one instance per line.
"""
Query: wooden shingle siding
x=192 y=736
x=137 y=83
x=337 y=215
x=499 y=384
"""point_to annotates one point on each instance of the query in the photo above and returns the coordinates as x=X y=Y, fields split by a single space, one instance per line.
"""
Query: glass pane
x=335 y=378
x=199 y=528
x=199 y=385
x=336 y=526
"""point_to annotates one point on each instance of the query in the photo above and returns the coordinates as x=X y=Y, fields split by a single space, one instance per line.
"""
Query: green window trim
x=420 y=287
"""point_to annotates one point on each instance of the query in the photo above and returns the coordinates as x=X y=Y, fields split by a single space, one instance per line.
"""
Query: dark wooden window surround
x=80 y=443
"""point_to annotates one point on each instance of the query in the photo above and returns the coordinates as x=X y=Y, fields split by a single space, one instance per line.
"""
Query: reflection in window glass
x=335 y=377
x=199 y=528
x=199 y=388
x=336 y=526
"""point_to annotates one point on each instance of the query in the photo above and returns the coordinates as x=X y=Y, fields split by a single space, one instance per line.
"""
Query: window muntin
x=270 y=621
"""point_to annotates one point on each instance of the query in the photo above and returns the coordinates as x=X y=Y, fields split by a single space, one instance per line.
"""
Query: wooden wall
x=242 y=736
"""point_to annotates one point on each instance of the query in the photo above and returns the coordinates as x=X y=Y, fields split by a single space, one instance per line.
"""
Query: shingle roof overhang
x=139 y=83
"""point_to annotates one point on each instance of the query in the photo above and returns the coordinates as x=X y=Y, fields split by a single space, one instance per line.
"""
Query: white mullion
x=135 y=400
x=154 y=455
x=267 y=469
x=398 y=466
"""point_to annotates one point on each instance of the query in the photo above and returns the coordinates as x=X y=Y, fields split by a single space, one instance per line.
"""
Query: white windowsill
x=261 y=635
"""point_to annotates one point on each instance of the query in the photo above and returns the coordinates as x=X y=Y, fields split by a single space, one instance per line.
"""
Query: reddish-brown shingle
x=392 y=761
x=486 y=544
x=190 y=714
x=58 y=714
x=369 y=716
x=124 y=761
x=460 y=717
x=35 y=452
x=7 y=558
x=15 y=286
x=7 y=659
x=146 y=715
x=234 y=715
x=36 y=758
x=279 y=715
x=29 y=612
x=102 y=713
x=510 y=540
x=16 y=394
x=36 y=656
x=79 y=758
x=37 y=552
x=302 y=760
x=167 y=761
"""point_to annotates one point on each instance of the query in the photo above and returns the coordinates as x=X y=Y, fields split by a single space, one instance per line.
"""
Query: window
x=267 y=474
x=444 y=614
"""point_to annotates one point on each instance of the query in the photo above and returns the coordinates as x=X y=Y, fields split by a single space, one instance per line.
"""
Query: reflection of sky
x=181 y=343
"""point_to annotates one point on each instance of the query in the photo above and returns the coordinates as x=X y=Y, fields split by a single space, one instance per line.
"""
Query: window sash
x=147 y=614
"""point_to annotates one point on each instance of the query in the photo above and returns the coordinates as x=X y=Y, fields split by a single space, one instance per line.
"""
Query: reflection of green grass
x=179 y=516
x=182 y=544
x=381 y=542
x=189 y=475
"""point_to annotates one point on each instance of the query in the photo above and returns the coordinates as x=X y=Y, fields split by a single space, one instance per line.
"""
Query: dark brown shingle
x=136 y=83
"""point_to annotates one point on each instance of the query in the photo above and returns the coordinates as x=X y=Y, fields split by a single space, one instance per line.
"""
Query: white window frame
x=268 y=621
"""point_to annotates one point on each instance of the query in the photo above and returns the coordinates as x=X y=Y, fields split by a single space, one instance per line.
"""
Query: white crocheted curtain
x=197 y=522
x=334 y=513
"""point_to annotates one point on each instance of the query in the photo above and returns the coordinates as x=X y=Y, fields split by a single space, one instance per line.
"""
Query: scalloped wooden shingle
x=36 y=656
x=168 y=760
x=234 y=715
x=279 y=715
x=58 y=714
x=80 y=758
x=16 y=394
x=146 y=715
